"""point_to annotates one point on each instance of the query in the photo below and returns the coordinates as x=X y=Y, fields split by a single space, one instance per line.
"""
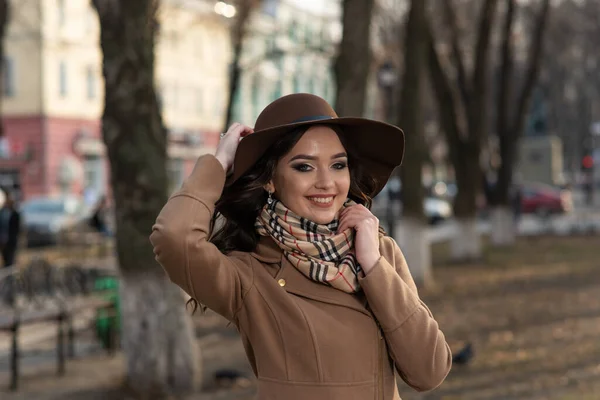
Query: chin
x=323 y=221
x=323 y=218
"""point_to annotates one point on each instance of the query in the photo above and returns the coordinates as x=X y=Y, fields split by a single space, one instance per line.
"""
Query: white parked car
x=435 y=209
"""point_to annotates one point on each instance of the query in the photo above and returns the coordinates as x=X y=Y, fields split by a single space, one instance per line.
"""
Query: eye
x=340 y=165
x=302 y=167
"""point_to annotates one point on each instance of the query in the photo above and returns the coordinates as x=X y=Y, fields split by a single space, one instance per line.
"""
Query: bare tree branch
x=444 y=94
x=534 y=62
x=506 y=70
x=4 y=19
x=482 y=47
x=351 y=67
x=510 y=126
x=457 y=55
x=238 y=34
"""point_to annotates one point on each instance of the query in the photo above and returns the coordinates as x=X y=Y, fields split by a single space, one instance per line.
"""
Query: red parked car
x=544 y=199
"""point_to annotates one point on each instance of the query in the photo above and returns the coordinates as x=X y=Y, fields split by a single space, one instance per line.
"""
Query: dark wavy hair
x=232 y=224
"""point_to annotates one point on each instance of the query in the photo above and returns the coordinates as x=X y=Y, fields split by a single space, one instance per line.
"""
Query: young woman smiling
x=274 y=232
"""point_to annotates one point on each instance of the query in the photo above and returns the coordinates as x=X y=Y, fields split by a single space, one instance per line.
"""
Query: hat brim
x=380 y=146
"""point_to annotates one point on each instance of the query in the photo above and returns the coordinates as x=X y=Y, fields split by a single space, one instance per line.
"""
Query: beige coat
x=304 y=340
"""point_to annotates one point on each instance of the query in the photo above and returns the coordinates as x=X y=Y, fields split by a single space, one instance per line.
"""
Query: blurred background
x=496 y=207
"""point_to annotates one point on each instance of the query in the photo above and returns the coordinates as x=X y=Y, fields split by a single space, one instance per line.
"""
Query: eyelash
x=301 y=167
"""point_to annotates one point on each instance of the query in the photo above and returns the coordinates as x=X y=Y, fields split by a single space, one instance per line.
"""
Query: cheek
x=344 y=184
x=290 y=187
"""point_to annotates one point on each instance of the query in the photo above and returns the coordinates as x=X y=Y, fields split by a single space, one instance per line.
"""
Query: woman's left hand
x=366 y=240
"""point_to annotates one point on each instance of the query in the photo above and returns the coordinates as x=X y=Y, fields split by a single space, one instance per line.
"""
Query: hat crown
x=293 y=108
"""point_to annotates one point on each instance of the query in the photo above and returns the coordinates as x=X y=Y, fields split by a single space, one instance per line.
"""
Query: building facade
x=290 y=48
x=53 y=93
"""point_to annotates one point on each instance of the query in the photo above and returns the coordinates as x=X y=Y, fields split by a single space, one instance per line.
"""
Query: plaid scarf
x=318 y=251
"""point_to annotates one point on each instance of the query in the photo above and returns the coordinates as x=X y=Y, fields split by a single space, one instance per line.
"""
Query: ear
x=270 y=187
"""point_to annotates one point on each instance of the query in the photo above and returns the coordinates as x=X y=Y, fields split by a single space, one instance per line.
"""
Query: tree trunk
x=4 y=19
x=238 y=34
x=415 y=241
x=503 y=226
x=354 y=59
x=157 y=337
x=466 y=242
x=510 y=125
x=235 y=74
x=462 y=105
x=158 y=340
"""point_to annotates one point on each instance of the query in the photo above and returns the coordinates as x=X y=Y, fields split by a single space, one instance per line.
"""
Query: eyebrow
x=307 y=157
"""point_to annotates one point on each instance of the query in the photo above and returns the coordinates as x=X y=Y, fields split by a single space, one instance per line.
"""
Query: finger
x=347 y=209
x=246 y=131
x=232 y=127
x=347 y=222
x=358 y=221
x=242 y=130
x=353 y=210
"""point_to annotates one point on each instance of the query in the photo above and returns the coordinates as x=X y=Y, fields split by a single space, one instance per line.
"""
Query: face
x=313 y=179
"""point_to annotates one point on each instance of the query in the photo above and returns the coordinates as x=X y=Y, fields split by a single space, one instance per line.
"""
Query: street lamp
x=224 y=9
x=387 y=78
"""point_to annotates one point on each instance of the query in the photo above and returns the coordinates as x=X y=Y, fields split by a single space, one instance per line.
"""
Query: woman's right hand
x=229 y=143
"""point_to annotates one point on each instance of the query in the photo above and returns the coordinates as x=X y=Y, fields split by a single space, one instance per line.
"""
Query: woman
x=323 y=300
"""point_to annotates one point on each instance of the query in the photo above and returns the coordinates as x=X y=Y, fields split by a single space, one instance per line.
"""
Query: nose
x=324 y=179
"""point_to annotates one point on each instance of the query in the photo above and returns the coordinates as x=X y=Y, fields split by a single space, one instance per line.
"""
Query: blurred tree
x=158 y=338
x=569 y=76
x=239 y=28
x=462 y=99
x=353 y=62
x=4 y=19
x=512 y=108
x=415 y=242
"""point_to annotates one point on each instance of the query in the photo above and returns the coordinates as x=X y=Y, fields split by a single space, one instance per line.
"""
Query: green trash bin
x=109 y=285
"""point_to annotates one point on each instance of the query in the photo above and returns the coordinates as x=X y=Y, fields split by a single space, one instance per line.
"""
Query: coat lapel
x=269 y=254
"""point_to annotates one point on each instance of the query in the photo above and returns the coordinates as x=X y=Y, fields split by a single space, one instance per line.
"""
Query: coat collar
x=267 y=252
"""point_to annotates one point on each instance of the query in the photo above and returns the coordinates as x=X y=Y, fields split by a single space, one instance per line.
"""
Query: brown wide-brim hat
x=379 y=146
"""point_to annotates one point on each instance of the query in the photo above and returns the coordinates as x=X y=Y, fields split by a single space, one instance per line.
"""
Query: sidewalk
x=579 y=221
x=95 y=375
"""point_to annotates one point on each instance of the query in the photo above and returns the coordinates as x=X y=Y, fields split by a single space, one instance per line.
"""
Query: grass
x=533 y=314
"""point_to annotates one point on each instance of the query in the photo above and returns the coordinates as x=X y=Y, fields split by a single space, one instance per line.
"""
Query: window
x=296 y=84
x=175 y=173
x=174 y=97
x=8 y=83
x=91 y=83
x=311 y=85
x=293 y=31
x=199 y=101
x=61 y=12
x=269 y=7
x=218 y=104
x=62 y=79
x=90 y=18
x=93 y=177
x=256 y=104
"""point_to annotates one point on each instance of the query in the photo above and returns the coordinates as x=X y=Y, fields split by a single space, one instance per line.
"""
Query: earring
x=270 y=198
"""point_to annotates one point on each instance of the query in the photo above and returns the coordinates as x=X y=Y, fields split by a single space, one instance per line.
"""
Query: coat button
x=281 y=282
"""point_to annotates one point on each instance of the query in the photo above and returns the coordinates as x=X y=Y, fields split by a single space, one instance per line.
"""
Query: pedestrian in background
x=99 y=217
x=10 y=228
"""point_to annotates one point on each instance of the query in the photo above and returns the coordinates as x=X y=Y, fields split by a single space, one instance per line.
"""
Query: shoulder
x=240 y=257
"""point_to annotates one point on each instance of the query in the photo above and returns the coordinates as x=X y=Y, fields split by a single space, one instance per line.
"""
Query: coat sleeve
x=416 y=344
x=181 y=246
